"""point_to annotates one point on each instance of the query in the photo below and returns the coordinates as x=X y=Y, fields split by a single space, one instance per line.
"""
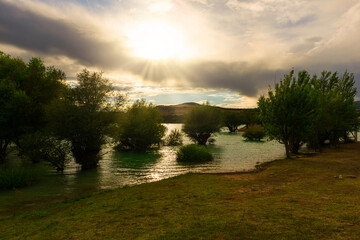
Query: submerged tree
x=140 y=127
x=232 y=120
x=84 y=117
x=201 y=123
x=287 y=112
x=174 y=138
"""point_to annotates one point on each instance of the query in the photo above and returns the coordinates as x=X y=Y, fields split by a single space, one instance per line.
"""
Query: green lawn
x=289 y=199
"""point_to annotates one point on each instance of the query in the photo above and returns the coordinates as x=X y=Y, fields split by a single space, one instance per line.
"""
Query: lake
x=117 y=169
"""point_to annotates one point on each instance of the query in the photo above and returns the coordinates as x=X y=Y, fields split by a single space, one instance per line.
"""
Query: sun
x=156 y=41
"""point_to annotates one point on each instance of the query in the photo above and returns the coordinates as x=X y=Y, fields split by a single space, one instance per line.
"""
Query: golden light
x=157 y=41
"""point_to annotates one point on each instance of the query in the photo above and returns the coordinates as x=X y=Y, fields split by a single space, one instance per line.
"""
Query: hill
x=175 y=113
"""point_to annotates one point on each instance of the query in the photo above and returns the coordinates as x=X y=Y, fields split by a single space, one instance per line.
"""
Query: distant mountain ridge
x=175 y=113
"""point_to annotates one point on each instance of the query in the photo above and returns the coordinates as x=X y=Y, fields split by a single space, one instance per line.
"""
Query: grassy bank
x=291 y=199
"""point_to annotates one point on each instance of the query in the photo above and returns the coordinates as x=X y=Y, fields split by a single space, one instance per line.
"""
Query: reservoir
x=118 y=169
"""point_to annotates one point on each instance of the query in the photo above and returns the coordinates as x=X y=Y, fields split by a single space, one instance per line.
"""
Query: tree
x=41 y=147
x=38 y=84
x=174 y=138
x=12 y=102
x=201 y=123
x=84 y=117
x=140 y=127
x=287 y=113
x=233 y=120
x=250 y=117
x=254 y=133
x=335 y=109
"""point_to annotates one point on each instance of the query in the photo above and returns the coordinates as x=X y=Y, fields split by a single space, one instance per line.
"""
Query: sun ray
x=157 y=41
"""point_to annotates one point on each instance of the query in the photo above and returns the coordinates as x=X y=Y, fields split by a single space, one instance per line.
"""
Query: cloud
x=34 y=32
x=245 y=45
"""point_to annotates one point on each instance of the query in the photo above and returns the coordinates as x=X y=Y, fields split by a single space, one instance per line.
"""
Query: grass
x=300 y=198
x=17 y=177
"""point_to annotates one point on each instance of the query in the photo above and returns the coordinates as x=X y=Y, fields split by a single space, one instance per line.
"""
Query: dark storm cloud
x=234 y=75
x=36 y=33
x=237 y=76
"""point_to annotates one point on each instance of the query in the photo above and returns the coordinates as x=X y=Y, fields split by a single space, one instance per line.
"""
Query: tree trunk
x=287 y=149
x=294 y=147
x=3 y=147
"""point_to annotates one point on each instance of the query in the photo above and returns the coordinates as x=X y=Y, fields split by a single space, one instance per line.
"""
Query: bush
x=17 y=177
x=194 y=153
x=254 y=133
x=174 y=138
x=140 y=127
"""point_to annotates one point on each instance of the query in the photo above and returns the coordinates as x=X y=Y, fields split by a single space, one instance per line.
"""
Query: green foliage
x=194 y=153
x=174 y=138
x=17 y=177
x=140 y=127
x=12 y=122
x=40 y=147
x=250 y=117
x=287 y=112
x=233 y=119
x=56 y=152
x=201 y=123
x=254 y=133
x=84 y=118
x=310 y=110
x=335 y=110
x=26 y=90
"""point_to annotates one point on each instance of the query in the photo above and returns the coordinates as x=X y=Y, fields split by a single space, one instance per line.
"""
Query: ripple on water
x=117 y=169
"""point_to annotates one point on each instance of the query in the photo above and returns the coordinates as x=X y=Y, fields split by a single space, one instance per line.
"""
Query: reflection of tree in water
x=86 y=181
x=134 y=160
x=215 y=149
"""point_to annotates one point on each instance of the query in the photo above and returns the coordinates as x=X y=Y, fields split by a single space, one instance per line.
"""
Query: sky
x=227 y=52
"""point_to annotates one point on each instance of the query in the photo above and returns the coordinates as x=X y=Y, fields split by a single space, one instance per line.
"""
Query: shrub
x=254 y=133
x=174 y=138
x=194 y=153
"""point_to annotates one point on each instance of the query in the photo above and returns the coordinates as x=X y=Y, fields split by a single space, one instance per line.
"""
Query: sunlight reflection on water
x=231 y=154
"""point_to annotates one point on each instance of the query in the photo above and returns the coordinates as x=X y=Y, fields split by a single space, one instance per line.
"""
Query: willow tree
x=287 y=112
x=139 y=128
x=83 y=117
x=335 y=110
x=27 y=90
x=201 y=123
x=232 y=120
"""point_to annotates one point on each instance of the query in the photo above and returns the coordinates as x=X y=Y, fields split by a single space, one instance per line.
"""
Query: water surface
x=231 y=153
